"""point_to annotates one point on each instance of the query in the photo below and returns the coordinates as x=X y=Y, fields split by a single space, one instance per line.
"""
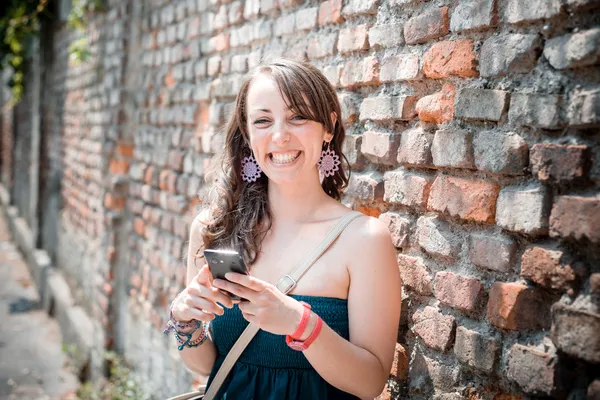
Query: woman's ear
x=328 y=137
x=333 y=119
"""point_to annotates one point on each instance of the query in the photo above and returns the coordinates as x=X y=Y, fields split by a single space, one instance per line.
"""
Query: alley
x=32 y=364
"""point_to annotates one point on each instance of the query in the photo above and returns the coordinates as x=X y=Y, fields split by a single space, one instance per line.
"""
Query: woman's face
x=286 y=145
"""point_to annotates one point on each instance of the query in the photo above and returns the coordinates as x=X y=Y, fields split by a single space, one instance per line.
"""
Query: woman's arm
x=362 y=365
x=202 y=358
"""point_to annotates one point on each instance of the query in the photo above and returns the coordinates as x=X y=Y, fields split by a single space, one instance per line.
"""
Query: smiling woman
x=278 y=197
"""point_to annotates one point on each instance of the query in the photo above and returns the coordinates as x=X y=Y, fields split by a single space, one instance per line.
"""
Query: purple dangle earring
x=250 y=169
x=329 y=163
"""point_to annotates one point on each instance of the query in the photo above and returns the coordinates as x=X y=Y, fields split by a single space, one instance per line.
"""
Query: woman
x=276 y=202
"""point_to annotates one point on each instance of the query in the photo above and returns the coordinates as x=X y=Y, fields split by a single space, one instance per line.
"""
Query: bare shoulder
x=366 y=231
x=368 y=242
x=200 y=222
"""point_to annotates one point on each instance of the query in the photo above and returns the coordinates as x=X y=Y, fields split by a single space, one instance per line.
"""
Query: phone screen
x=221 y=262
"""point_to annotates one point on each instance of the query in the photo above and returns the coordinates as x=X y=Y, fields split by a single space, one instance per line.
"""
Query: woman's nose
x=280 y=133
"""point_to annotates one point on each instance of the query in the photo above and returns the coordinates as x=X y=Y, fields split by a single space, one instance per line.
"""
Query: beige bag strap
x=285 y=285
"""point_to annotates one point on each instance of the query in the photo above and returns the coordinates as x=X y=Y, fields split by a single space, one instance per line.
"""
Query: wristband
x=303 y=322
x=303 y=345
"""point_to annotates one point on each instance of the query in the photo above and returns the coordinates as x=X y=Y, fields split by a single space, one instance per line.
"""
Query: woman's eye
x=298 y=118
x=261 y=121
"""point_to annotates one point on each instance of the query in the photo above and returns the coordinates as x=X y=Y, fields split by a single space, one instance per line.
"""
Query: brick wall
x=472 y=131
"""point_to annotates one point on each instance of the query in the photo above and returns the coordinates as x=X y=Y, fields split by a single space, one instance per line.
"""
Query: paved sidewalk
x=32 y=364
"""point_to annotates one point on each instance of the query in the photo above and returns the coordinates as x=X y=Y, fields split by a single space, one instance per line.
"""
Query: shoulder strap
x=285 y=284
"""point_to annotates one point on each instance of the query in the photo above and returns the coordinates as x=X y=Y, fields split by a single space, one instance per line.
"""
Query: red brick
x=516 y=307
x=119 y=167
x=220 y=42
x=359 y=73
x=163 y=180
x=125 y=150
x=415 y=274
x=468 y=199
x=458 y=291
x=353 y=39
x=561 y=164
x=403 y=67
x=547 y=268
x=114 y=202
x=139 y=226
x=449 y=58
x=437 y=107
x=429 y=25
x=170 y=80
x=172 y=182
x=436 y=329
x=406 y=188
x=330 y=12
x=400 y=365
x=576 y=217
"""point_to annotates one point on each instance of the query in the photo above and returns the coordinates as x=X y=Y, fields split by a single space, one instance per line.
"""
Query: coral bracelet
x=303 y=322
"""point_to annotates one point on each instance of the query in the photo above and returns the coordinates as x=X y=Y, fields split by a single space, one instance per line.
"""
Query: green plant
x=19 y=26
x=78 y=20
x=121 y=383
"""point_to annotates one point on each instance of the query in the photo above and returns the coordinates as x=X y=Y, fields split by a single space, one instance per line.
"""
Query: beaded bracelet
x=173 y=324
x=192 y=343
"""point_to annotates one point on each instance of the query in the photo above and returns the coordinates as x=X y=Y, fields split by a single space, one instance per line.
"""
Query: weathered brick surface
x=383 y=108
x=449 y=58
x=364 y=72
x=575 y=331
x=429 y=25
x=584 y=108
x=399 y=226
x=524 y=210
x=472 y=16
x=354 y=8
x=386 y=35
x=406 y=188
x=558 y=164
x=436 y=329
x=536 y=9
x=576 y=217
x=572 y=51
x=492 y=251
x=500 y=152
x=436 y=238
x=365 y=186
x=415 y=275
x=534 y=370
x=415 y=147
x=458 y=291
x=480 y=104
x=516 y=307
x=330 y=12
x=437 y=107
x=476 y=350
x=537 y=110
x=353 y=39
x=452 y=147
x=380 y=147
x=464 y=198
x=508 y=53
x=547 y=268
x=403 y=67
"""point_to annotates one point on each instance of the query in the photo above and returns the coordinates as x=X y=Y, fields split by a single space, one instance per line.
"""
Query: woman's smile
x=284 y=158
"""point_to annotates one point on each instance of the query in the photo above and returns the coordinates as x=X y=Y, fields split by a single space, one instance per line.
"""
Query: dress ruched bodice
x=268 y=369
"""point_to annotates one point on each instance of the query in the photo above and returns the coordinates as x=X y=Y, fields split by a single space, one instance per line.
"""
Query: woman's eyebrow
x=262 y=109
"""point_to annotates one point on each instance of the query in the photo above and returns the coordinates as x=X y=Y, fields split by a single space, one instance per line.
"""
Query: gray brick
x=365 y=186
x=582 y=4
x=534 y=370
x=415 y=147
x=387 y=35
x=480 y=104
x=351 y=149
x=475 y=349
x=306 y=18
x=403 y=67
x=509 y=53
x=349 y=109
x=436 y=238
x=500 y=153
x=536 y=110
x=284 y=25
x=575 y=332
x=518 y=12
x=406 y=188
x=492 y=251
x=384 y=108
x=399 y=226
x=380 y=147
x=357 y=7
x=574 y=51
x=452 y=147
x=584 y=107
x=524 y=210
x=472 y=15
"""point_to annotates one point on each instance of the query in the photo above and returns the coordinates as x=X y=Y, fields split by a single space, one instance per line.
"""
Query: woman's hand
x=264 y=305
x=199 y=299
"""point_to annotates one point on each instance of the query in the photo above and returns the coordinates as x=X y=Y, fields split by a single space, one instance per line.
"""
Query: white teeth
x=284 y=158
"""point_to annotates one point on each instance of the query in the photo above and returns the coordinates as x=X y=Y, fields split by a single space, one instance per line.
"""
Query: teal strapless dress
x=268 y=369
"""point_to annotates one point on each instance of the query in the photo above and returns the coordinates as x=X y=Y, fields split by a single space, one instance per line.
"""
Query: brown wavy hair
x=240 y=214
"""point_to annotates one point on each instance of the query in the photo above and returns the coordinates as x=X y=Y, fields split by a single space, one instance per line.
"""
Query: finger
x=209 y=292
x=197 y=314
x=204 y=276
x=207 y=305
x=247 y=281
x=234 y=288
x=247 y=307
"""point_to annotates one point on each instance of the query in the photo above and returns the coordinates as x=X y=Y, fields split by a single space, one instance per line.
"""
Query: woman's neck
x=296 y=202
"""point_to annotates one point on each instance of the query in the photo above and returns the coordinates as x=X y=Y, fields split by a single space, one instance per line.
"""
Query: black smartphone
x=221 y=262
